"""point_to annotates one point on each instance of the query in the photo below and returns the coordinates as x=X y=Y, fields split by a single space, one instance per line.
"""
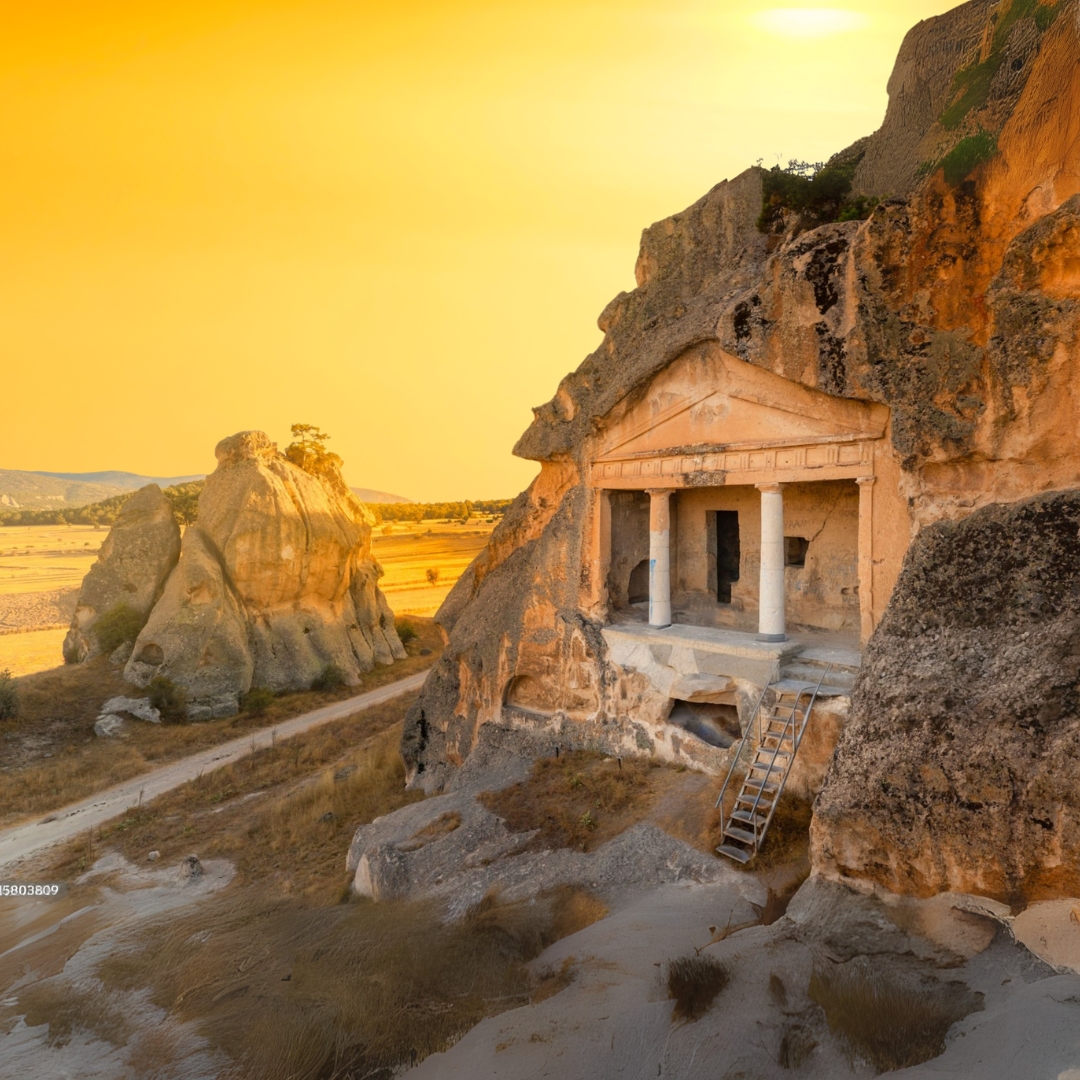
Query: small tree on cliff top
x=308 y=450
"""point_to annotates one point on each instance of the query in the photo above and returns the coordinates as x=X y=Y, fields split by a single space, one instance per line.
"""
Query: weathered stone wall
x=959 y=768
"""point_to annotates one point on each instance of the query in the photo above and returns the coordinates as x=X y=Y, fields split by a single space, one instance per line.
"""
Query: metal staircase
x=779 y=734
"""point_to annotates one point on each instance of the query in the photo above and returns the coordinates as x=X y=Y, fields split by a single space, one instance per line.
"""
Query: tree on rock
x=308 y=450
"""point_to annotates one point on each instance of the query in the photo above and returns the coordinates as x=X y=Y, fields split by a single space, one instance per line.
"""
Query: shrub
x=405 y=631
x=432 y=575
x=960 y=162
x=330 y=678
x=891 y=1025
x=169 y=699
x=257 y=700
x=818 y=192
x=119 y=625
x=9 y=696
x=693 y=983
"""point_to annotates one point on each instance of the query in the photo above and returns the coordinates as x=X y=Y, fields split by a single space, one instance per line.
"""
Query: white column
x=772 y=624
x=660 y=558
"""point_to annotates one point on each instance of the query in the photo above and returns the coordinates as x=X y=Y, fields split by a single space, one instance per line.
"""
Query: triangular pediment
x=710 y=400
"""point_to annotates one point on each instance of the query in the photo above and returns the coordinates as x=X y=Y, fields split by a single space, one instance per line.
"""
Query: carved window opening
x=795 y=549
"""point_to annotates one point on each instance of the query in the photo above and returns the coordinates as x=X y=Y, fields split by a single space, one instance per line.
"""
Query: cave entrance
x=714 y=723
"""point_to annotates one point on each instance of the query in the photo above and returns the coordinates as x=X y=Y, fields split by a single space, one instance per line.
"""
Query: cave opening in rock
x=714 y=723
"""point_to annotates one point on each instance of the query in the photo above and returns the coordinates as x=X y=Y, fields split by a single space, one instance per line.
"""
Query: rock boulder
x=138 y=554
x=275 y=582
x=959 y=768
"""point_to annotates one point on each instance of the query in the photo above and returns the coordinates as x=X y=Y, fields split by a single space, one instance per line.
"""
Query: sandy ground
x=25 y=841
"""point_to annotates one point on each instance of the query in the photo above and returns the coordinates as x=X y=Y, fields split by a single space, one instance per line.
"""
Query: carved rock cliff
x=955 y=304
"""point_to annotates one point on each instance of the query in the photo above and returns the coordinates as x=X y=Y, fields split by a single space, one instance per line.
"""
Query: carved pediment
x=709 y=400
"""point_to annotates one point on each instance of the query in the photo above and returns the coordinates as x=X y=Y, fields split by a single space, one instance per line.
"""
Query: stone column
x=660 y=558
x=772 y=624
x=866 y=556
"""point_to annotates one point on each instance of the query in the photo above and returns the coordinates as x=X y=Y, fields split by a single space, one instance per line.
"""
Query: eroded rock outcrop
x=954 y=304
x=275 y=581
x=135 y=560
x=959 y=769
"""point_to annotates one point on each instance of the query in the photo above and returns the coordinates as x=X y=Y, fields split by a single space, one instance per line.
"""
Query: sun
x=809 y=22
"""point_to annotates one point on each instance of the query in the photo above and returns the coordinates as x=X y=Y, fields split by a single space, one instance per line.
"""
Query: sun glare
x=809 y=22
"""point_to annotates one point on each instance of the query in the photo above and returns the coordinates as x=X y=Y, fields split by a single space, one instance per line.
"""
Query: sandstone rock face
x=136 y=558
x=959 y=768
x=956 y=304
x=275 y=581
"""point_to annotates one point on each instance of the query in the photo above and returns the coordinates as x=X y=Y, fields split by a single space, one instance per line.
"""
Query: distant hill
x=65 y=491
x=370 y=495
x=22 y=490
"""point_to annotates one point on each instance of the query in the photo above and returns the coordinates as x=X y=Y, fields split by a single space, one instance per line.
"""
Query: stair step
x=744 y=835
x=761 y=785
x=749 y=817
x=758 y=767
x=735 y=853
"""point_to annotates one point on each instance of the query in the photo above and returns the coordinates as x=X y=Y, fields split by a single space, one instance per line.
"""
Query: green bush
x=330 y=678
x=406 y=632
x=119 y=625
x=257 y=700
x=169 y=699
x=818 y=192
x=9 y=696
x=961 y=161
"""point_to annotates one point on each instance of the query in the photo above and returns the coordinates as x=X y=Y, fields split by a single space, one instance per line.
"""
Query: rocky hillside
x=63 y=491
x=954 y=303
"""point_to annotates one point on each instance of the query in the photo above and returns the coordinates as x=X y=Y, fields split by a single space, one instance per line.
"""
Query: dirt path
x=26 y=840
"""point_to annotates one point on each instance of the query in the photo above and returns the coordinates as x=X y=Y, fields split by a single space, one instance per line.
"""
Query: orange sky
x=398 y=221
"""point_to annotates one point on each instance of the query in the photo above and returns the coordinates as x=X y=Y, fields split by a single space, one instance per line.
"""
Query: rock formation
x=959 y=768
x=275 y=581
x=136 y=558
x=956 y=304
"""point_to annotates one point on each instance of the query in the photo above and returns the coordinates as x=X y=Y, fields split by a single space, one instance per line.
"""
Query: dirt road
x=26 y=840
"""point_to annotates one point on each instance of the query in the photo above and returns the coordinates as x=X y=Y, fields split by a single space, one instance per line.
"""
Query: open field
x=409 y=551
x=46 y=557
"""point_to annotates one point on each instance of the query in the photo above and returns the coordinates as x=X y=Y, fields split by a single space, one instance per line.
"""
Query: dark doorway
x=638 y=589
x=727 y=553
x=795 y=549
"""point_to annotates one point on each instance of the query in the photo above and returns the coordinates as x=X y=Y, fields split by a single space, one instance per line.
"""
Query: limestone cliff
x=955 y=304
x=136 y=558
x=275 y=581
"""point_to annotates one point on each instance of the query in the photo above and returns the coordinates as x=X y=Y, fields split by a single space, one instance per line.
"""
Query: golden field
x=38 y=564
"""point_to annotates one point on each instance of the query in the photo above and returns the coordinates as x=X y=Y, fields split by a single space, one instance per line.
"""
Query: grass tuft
x=693 y=984
x=580 y=799
x=889 y=1024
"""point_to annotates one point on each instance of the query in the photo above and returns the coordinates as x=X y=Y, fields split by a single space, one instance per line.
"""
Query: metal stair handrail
x=755 y=716
x=796 y=743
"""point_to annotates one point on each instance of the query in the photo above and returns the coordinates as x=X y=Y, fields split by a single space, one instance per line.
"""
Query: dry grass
x=39 y=558
x=693 y=983
x=581 y=799
x=888 y=1023
x=287 y=990
x=286 y=812
x=67 y=1009
x=52 y=757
